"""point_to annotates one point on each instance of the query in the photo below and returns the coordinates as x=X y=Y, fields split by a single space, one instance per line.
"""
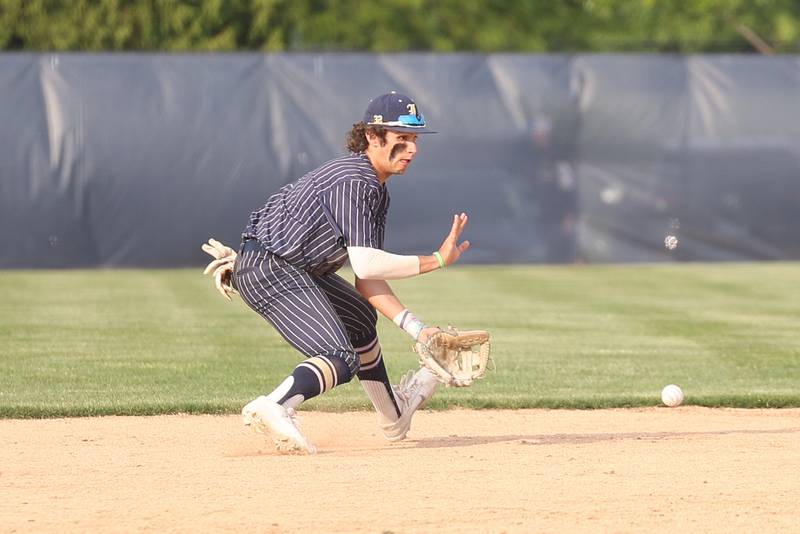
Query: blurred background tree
x=680 y=26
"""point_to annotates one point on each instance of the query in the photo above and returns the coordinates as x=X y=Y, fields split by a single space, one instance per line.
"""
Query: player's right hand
x=221 y=267
x=451 y=249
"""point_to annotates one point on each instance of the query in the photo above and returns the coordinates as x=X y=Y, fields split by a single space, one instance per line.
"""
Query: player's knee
x=345 y=365
x=363 y=338
x=366 y=332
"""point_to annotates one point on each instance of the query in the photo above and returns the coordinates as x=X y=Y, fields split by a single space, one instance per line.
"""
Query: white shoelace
x=405 y=389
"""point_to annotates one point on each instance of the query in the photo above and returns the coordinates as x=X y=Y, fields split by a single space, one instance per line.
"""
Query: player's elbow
x=362 y=261
x=375 y=264
x=366 y=272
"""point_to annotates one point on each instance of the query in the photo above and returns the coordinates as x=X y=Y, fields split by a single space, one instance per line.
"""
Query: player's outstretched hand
x=451 y=249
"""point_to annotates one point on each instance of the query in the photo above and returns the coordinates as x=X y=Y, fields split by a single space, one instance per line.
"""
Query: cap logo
x=394 y=111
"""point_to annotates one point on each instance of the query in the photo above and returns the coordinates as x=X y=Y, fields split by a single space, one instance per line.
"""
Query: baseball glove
x=221 y=267
x=457 y=358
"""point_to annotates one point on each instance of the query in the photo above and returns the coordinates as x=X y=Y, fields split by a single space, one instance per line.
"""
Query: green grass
x=159 y=341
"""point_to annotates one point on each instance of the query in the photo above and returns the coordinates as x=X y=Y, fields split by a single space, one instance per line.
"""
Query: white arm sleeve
x=375 y=264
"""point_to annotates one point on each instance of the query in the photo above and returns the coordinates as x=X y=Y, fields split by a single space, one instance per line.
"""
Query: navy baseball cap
x=396 y=112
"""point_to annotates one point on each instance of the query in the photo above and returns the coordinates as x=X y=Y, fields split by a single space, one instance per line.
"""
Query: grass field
x=96 y=342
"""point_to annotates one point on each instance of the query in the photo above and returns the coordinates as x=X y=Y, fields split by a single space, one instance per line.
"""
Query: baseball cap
x=397 y=112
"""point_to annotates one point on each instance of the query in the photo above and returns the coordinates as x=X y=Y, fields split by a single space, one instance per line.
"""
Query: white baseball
x=672 y=395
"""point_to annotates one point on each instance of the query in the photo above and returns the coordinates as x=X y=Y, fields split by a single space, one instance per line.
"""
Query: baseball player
x=285 y=271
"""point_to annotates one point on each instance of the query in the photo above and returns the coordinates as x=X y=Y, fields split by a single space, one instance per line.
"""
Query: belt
x=251 y=245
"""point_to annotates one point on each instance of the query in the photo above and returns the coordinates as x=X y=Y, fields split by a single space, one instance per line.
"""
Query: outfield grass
x=159 y=341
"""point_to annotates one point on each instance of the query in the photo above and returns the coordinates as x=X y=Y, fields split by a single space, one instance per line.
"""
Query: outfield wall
x=135 y=159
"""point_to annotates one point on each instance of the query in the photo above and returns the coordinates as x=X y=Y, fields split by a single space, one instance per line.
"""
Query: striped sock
x=310 y=378
x=375 y=381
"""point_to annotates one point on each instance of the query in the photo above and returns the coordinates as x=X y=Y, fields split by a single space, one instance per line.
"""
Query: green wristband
x=439 y=259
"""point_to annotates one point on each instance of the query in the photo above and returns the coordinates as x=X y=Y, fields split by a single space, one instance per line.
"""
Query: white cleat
x=414 y=391
x=269 y=417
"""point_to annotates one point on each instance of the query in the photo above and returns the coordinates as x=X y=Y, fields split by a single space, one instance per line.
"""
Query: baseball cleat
x=413 y=392
x=269 y=417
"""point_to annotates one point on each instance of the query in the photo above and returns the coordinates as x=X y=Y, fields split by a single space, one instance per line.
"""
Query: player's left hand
x=456 y=357
x=221 y=267
x=426 y=333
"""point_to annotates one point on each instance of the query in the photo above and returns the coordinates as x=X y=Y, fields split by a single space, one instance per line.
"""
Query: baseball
x=672 y=395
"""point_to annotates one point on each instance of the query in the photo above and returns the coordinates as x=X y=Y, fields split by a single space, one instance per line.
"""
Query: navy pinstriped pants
x=318 y=315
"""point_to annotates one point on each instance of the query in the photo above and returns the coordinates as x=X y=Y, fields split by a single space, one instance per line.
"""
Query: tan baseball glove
x=221 y=267
x=457 y=358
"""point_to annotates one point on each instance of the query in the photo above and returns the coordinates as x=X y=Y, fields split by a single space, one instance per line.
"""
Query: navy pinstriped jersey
x=309 y=222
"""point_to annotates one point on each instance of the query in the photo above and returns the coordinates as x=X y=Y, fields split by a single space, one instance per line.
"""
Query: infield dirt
x=628 y=470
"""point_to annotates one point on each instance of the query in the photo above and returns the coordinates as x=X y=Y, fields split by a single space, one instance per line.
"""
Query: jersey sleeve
x=355 y=206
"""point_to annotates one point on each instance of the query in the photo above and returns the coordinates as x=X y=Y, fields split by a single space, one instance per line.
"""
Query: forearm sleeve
x=375 y=264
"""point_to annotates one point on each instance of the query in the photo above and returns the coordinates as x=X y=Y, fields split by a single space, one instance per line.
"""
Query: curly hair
x=356 y=140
